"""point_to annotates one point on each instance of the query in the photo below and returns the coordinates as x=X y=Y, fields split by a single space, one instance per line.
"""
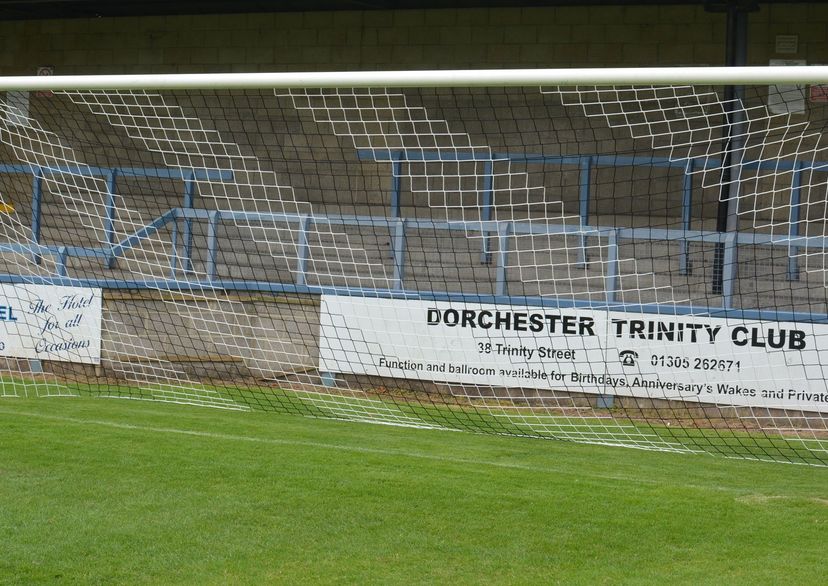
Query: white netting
x=509 y=261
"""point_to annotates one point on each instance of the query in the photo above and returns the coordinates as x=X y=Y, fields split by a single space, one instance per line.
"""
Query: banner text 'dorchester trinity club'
x=678 y=357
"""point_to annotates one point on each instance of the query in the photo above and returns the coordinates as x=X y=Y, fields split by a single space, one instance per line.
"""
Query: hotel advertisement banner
x=49 y=322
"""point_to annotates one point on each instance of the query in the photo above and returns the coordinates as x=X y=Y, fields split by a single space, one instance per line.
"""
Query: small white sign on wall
x=787 y=44
x=47 y=322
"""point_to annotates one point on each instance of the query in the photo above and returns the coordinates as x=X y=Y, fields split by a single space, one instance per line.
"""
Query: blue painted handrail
x=44 y=173
x=505 y=230
x=487 y=229
x=291 y=288
x=586 y=163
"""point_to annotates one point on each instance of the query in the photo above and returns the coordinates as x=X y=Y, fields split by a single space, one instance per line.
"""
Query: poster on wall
x=677 y=357
x=47 y=322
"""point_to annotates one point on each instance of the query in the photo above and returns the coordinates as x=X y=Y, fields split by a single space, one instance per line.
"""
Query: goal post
x=615 y=256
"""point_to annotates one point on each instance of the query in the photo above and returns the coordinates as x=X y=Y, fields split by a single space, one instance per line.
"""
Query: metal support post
x=212 y=243
x=727 y=217
x=399 y=254
x=109 y=222
x=396 y=185
x=794 y=220
x=501 y=283
x=302 y=251
x=37 y=204
x=685 y=265
x=612 y=267
x=189 y=203
x=486 y=210
x=583 y=204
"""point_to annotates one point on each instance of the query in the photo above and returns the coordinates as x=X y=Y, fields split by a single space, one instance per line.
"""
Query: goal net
x=632 y=258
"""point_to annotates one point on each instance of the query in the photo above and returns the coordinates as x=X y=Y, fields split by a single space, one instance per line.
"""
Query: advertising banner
x=48 y=322
x=678 y=357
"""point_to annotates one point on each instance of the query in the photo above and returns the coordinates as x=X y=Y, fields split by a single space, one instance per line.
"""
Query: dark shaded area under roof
x=41 y=9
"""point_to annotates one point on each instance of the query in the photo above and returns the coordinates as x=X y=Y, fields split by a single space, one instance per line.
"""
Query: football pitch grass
x=118 y=491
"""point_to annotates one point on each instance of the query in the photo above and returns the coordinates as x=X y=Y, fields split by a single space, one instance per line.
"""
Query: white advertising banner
x=680 y=357
x=49 y=322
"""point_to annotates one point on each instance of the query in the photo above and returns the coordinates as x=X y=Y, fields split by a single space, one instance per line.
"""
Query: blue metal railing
x=398 y=227
x=41 y=173
x=586 y=164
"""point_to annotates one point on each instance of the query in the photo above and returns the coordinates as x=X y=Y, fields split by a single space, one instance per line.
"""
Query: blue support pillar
x=685 y=266
x=396 y=184
x=109 y=222
x=174 y=253
x=735 y=132
x=37 y=204
x=583 y=205
x=501 y=282
x=189 y=203
x=730 y=269
x=612 y=266
x=212 y=243
x=794 y=220
x=396 y=188
x=302 y=250
x=62 y=256
x=486 y=210
x=399 y=254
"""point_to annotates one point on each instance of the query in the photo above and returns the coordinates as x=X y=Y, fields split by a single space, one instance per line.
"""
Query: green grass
x=694 y=433
x=110 y=491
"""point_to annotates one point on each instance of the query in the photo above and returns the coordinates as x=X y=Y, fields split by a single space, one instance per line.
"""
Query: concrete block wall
x=403 y=39
x=250 y=335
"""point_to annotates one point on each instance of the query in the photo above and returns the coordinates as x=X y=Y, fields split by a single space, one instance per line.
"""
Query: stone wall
x=404 y=39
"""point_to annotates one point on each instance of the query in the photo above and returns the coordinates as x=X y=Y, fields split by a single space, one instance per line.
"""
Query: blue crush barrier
x=398 y=227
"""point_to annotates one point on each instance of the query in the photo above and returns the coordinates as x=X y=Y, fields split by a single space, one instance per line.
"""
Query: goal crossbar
x=759 y=75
